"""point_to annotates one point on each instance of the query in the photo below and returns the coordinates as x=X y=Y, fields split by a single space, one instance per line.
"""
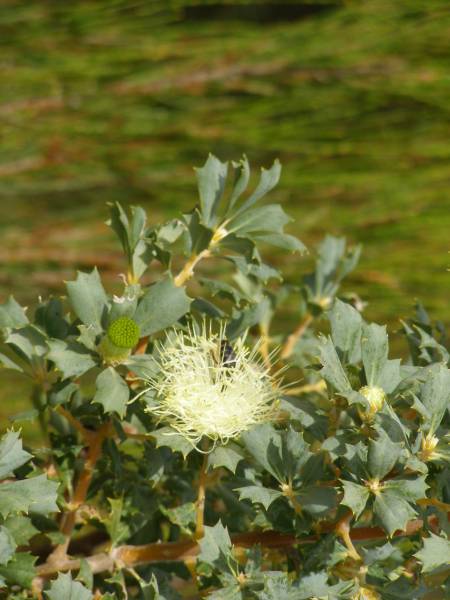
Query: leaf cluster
x=345 y=494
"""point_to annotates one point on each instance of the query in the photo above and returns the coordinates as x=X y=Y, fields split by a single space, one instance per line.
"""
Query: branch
x=76 y=424
x=264 y=348
x=96 y=439
x=344 y=532
x=188 y=270
x=200 y=504
x=131 y=556
x=295 y=336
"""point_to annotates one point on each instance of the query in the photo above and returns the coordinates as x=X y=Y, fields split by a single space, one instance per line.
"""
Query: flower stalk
x=201 y=497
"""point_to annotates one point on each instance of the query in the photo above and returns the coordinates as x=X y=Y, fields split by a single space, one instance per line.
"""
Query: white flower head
x=201 y=393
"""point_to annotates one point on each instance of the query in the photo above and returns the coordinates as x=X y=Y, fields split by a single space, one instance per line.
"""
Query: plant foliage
x=343 y=491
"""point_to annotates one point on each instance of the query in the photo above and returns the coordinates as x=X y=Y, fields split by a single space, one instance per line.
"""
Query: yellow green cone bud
x=122 y=335
x=124 y=332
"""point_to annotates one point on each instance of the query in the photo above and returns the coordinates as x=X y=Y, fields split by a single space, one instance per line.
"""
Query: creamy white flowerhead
x=202 y=396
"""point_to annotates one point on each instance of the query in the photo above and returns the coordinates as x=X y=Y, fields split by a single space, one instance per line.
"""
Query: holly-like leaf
x=258 y=495
x=7 y=363
x=392 y=511
x=222 y=289
x=355 y=497
x=142 y=365
x=65 y=588
x=409 y=488
x=150 y=589
x=30 y=342
x=49 y=315
x=282 y=454
x=7 y=545
x=37 y=494
x=435 y=553
x=161 y=306
x=280 y=240
x=248 y=317
x=268 y=180
x=85 y=574
x=231 y=590
x=374 y=348
x=211 y=180
x=316 y=500
x=87 y=337
x=390 y=375
x=88 y=299
x=315 y=585
x=131 y=232
x=12 y=315
x=112 y=392
x=277 y=585
x=166 y=436
x=227 y=456
x=263 y=219
x=12 y=454
x=21 y=528
x=215 y=546
x=382 y=456
x=116 y=527
x=435 y=395
x=332 y=370
x=71 y=358
x=258 y=440
x=20 y=570
x=334 y=262
x=242 y=176
x=183 y=516
x=346 y=327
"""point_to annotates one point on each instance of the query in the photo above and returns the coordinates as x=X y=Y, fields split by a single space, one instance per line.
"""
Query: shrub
x=194 y=450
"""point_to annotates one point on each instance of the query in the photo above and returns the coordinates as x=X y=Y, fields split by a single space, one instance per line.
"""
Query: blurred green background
x=108 y=100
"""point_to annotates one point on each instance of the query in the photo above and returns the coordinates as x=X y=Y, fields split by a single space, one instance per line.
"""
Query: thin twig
x=76 y=424
x=295 y=336
x=264 y=348
x=68 y=520
x=343 y=531
x=200 y=504
x=188 y=270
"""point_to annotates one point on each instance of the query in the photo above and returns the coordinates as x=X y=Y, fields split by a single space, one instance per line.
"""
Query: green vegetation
x=111 y=100
x=184 y=457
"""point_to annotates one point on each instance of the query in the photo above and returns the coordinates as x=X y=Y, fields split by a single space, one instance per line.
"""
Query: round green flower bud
x=124 y=332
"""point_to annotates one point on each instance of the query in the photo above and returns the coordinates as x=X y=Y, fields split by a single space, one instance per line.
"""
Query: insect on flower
x=227 y=354
x=207 y=388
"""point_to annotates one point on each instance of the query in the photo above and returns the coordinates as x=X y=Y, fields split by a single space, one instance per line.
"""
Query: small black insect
x=227 y=354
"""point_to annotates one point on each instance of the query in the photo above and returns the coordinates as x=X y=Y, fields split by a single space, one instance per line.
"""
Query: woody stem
x=200 y=504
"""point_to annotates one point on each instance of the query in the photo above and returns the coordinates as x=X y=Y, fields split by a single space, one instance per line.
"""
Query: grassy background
x=107 y=100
